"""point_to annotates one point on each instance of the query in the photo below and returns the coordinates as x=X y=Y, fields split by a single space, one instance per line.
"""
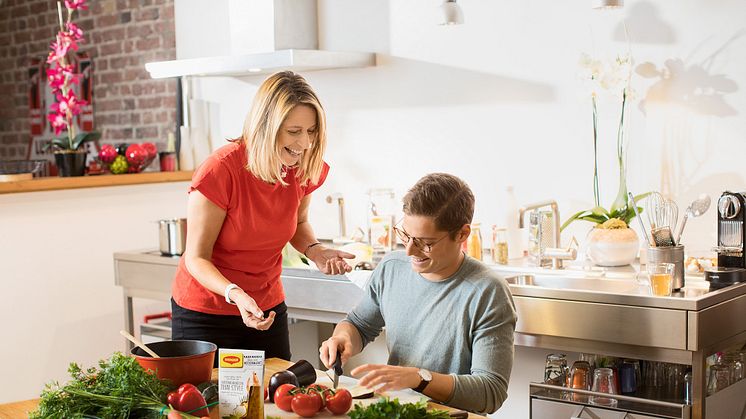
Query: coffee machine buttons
x=728 y=206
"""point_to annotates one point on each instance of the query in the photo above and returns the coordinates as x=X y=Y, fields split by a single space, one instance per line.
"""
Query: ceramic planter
x=613 y=247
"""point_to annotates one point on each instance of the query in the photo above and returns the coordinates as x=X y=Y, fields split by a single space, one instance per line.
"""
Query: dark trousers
x=230 y=332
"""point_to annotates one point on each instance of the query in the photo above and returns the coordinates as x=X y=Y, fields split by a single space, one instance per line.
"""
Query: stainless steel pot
x=172 y=236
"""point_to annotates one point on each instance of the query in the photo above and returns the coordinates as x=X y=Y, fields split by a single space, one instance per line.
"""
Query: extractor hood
x=240 y=38
x=260 y=63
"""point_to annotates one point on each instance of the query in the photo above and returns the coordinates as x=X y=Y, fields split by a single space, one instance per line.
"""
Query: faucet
x=555 y=253
x=341 y=205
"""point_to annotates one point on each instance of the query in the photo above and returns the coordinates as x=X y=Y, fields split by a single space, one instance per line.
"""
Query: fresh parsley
x=392 y=409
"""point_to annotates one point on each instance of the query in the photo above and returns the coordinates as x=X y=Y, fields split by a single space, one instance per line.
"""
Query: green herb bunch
x=392 y=409
x=118 y=388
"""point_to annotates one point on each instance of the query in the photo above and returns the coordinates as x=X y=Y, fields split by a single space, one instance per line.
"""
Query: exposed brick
x=121 y=36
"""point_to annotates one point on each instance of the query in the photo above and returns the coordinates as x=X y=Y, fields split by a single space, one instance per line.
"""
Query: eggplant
x=279 y=378
x=305 y=372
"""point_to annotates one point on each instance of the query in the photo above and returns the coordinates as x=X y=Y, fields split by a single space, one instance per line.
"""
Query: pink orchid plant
x=61 y=77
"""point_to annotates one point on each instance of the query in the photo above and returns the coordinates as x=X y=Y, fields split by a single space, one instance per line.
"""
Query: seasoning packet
x=241 y=383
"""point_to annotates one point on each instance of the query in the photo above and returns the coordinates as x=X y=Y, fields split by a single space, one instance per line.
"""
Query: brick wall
x=121 y=36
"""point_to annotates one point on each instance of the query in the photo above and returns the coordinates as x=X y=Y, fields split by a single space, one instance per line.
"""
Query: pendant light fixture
x=452 y=13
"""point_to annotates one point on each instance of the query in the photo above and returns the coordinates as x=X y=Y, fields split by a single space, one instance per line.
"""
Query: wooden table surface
x=21 y=409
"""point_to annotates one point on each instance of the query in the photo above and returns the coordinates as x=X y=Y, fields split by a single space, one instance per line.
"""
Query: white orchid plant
x=613 y=77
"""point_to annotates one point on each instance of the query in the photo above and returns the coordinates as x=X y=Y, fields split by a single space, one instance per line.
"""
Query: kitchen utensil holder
x=670 y=254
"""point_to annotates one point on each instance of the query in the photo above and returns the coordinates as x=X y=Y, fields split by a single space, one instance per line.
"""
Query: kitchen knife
x=337 y=369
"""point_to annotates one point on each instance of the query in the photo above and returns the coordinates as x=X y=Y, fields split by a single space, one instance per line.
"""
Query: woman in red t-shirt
x=246 y=202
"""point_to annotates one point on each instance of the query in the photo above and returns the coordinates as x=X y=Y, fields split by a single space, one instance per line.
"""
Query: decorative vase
x=612 y=247
x=70 y=163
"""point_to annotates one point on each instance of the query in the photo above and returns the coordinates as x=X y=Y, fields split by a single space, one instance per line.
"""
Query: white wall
x=498 y=101
x=58 y=302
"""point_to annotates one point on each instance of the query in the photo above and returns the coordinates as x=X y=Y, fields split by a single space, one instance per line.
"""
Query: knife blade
x=337 y=369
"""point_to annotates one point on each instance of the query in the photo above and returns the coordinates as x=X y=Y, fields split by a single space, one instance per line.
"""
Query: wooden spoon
x=139 y=343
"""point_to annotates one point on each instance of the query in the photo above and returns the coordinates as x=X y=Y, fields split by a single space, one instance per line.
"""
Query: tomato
x=338 y=402
x=283 y=397
x=320 y=390
x=306 y=405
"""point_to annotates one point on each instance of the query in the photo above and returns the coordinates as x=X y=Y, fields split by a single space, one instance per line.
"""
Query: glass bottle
x=688 y=387
x=499 y=245
x=474 y=242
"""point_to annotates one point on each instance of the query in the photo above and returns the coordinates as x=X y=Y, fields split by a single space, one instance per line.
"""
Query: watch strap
x=420 y=388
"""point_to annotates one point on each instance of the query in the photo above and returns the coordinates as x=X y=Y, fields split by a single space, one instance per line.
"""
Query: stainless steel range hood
x=260 y=63
x=240 y=38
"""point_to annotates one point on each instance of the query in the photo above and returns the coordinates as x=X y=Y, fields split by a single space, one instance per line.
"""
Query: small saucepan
x=172 y=236
x=181 y=361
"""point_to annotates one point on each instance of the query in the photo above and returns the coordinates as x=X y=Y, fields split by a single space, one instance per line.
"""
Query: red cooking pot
x=181 y=361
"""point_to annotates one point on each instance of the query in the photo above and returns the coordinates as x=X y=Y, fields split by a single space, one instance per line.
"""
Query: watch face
x=425 y=374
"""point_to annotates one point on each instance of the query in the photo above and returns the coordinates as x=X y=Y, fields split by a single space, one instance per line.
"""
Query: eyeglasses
x=416 y=241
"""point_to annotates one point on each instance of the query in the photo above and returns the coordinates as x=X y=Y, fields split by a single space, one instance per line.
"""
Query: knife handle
x=338 y=364
x=460 y=414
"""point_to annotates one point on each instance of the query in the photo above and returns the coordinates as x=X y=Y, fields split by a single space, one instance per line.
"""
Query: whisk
x=654 y=207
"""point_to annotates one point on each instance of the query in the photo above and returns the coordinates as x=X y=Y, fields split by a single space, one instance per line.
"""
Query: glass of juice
x=661 y=278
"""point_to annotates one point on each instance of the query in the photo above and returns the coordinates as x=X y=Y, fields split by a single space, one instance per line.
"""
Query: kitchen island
x=593 y=311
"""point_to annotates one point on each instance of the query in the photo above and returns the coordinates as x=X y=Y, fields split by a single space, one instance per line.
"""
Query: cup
x=604 y=382
x=628 y=376
x=661 y=276
x=168 y=161
x=669 y=254
x=555 y=370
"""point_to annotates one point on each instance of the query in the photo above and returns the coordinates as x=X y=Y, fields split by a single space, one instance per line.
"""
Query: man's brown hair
x=444 y=197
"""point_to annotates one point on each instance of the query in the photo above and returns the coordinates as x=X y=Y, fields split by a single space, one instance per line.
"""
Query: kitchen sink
x=623 y=286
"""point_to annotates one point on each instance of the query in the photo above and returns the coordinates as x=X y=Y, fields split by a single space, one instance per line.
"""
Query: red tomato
x=339 y=402
x=320 y=390
x=306 y=405
x=283 y=397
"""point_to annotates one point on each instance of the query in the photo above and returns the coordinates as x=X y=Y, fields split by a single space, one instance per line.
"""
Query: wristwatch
x=426 y=378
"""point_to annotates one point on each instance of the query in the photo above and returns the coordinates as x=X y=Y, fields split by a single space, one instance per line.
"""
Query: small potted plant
x=611 y=242
x=68 y=152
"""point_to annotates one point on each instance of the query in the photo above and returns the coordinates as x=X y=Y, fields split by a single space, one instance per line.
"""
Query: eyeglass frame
x=416 y=241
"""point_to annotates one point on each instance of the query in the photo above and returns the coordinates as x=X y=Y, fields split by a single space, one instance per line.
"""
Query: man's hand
x=388 y=377
x=330 y=261
x=332 y=347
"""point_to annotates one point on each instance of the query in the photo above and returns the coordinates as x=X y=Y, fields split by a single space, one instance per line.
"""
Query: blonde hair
x=277 y=96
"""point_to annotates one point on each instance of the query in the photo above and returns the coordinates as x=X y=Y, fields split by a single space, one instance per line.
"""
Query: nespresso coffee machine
x=731 y=238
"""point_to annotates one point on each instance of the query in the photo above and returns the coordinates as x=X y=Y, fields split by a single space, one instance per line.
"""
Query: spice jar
x=499 y=245
x=474 y=242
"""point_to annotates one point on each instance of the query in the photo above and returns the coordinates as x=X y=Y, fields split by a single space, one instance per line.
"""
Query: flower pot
x=612 y=247
x=70 y=163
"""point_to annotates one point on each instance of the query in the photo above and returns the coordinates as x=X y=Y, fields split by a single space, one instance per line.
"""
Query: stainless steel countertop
x=576 y=283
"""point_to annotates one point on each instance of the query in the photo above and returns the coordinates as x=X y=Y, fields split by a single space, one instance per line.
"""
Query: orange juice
x=661 y=284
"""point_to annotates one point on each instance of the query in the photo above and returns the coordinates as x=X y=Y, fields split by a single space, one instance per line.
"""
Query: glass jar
x=499 y=245
x=604 y=381
x=474 y=242
x=733 y=361
x=719 y=378
x=555 y=370
x=382 y=207
x=580 y=375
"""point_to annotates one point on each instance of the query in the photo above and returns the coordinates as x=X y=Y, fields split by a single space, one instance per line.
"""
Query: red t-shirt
x=260 y=219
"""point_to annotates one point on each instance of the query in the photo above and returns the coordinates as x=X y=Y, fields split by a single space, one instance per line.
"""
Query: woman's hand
x=251 y=314
x=388 y=377
x=330 y=261
x=338 y=345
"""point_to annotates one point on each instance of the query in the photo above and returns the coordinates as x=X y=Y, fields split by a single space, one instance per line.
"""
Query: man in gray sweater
x=449 y=318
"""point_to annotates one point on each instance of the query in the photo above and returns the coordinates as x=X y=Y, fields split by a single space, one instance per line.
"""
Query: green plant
x=62 y=78
x=386 y=408
x=615 y=77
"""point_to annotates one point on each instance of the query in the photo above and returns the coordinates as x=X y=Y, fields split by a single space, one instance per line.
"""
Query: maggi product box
x=240 y=383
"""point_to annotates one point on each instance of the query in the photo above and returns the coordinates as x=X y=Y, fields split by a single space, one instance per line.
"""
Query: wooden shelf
x=59 y=183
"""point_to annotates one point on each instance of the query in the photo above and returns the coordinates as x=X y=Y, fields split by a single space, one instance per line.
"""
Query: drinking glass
x=580 y=375
x=733 y=361
x=628 y=376
x=661 y=278
x=555 y=370
x=719 y=378
x=604 y=382
x=499 y=245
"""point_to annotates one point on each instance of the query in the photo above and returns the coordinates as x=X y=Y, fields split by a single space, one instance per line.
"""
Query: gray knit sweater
x=461 y=326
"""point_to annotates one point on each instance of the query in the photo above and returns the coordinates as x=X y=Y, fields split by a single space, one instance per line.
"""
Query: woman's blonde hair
x=277 y=96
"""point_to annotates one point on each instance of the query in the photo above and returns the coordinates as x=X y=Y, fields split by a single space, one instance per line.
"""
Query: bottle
x=474 y=242
x=688 y=387
x=499 y=245
x=510 y=220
